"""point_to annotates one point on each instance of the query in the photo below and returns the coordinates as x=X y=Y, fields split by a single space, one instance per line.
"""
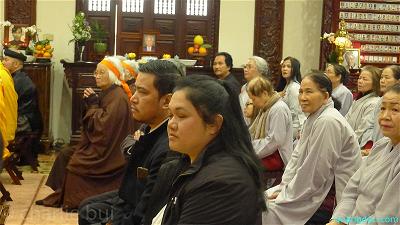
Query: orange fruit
x=202 y=51
x=190 y=50
x=47 y=47
x=38 y=47
x=47 y=54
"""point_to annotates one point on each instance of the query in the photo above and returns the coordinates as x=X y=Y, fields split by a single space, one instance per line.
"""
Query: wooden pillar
x=268 y=33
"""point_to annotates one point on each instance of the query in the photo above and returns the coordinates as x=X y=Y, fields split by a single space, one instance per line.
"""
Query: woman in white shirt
x=288 y=87
x=325 y=158
x=255 y=66
x=338 y=75
x=271 y=130
x=390 y=76
x=367 y=99
x=372 y=194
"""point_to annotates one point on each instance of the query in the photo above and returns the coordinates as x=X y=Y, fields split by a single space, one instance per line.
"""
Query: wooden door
x=175 y=21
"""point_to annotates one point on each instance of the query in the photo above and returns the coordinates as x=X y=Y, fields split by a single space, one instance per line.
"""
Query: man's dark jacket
x=148 y=153
x=28 y=100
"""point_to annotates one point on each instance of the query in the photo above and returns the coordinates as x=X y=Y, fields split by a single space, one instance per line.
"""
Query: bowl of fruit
x=43 y=50
x=199 y=48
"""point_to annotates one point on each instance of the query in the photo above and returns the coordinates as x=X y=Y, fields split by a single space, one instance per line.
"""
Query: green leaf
x=206 y=46
x=99 y=34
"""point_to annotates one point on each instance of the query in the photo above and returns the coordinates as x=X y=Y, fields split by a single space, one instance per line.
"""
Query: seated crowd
x=160 y=147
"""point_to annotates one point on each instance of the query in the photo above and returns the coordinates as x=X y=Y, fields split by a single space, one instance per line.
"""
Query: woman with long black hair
x=288 y=87
x=220 y=179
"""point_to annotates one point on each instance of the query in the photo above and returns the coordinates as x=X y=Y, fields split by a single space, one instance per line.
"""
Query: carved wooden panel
x=326 y=27
x=196 y=27
x=165 y=26
x=167 y=46
x=130 y=45
x=268 y=33
x=20 y=12
x=79 y=76
x=133 y=25
x=41 y=75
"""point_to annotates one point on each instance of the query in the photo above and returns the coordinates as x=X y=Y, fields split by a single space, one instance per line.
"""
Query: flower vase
x=80 y=48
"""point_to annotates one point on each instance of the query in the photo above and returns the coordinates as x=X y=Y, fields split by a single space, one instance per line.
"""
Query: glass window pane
x=135 y=6
x=164 y=7
x=99 y=5
x=196 y=7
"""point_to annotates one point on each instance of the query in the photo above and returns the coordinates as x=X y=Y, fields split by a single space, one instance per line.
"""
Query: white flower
x=80 y=28
x=32 y=29
x=7 y=23
x=326 y=35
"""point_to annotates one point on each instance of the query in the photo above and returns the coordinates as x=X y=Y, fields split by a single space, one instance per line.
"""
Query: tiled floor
x=23 y=210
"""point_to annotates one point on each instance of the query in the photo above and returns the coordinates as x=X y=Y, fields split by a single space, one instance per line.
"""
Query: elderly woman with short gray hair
x=255 y=66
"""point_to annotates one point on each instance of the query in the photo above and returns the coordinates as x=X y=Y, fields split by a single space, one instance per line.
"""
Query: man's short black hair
x=228 y=59
x=165 y=73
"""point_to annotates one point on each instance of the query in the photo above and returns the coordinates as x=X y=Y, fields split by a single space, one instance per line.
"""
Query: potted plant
x=99 y=36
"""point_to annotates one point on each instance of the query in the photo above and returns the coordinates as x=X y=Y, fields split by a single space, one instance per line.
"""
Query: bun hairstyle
x=340 y=70
x=396 y=71
x=261 y=65
x=324 y=85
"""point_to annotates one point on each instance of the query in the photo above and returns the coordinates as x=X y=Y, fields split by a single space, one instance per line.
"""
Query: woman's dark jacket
x=216 y=189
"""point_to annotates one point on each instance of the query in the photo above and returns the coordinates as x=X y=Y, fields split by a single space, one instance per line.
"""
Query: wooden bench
x=10 y=165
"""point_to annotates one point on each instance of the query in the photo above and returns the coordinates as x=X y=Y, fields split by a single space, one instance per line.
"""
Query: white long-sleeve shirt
x=291 y=98
x=327 y=152
x=243 y=98
x=278 y=133
x=344 y=96
x=373 y=192
x=359 y=116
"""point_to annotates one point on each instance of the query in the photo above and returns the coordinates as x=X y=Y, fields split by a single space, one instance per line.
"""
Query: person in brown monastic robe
x=95 y=165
